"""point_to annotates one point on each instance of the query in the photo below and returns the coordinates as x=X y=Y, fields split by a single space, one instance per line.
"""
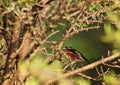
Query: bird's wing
x=73 y=52
x=79 y=55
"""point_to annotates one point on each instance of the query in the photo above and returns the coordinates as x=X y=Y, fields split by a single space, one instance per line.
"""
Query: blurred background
x=33 y=34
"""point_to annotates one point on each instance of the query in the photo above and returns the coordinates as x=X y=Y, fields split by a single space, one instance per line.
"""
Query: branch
x=10 y=62
x=90 y=66
x=113 y=66
x=44 y=40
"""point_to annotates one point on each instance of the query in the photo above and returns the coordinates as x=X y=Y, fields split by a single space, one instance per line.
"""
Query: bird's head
x=67 y=48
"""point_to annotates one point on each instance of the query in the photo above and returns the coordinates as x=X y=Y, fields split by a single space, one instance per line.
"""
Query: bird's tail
x=85 y=59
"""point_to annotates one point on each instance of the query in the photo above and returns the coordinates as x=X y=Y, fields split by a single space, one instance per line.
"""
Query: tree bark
x=10 y=62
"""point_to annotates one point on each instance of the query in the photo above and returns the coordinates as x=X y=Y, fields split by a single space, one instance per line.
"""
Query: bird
x=76 y=55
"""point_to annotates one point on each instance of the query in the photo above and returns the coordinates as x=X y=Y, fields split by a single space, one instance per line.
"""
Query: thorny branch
x=87 y=67
x=27 y=30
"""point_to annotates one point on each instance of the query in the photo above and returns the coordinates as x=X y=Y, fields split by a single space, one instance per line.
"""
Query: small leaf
x=110 y=78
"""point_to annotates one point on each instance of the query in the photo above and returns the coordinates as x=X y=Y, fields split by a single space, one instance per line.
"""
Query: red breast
x=71 y=55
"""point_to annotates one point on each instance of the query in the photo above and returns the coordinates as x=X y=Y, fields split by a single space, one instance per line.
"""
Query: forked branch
x=87 y=67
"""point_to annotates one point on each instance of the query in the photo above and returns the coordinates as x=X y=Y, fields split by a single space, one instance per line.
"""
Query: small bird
x=75 y=54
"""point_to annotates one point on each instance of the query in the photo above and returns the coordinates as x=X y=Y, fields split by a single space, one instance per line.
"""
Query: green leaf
x=110 y=78
x=81 y=81
x=32 y=81
x=118 y=60
x=109 y=33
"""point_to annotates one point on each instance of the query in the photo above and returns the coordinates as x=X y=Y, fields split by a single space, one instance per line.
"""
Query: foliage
x=111 y=79
x=33 y=34
x=112 y=30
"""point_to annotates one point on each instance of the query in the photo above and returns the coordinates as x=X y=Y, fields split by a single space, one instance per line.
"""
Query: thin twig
x=109 y=65
x=90 y=66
